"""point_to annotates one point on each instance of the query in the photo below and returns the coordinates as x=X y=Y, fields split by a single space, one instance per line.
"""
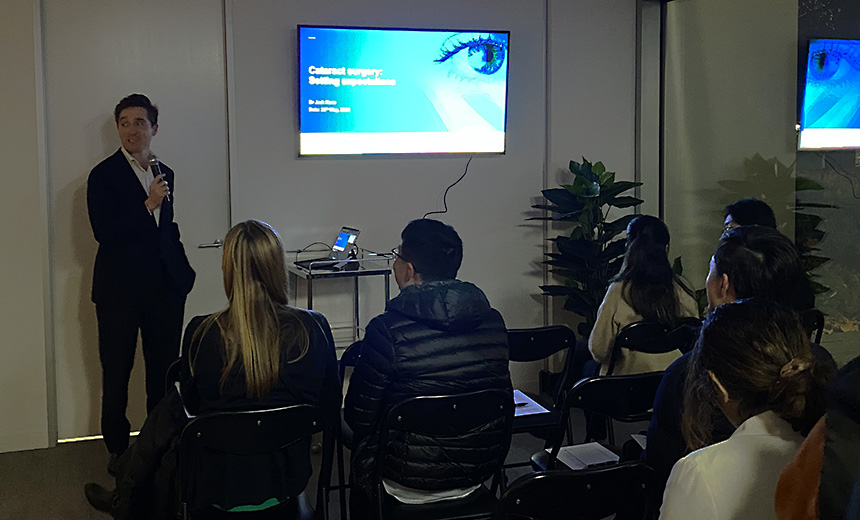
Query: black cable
x=841 y=174
x=363 y=250
x=302 y=250
x=445 y=196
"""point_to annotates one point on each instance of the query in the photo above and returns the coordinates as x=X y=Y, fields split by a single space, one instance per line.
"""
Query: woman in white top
x=753 y=363
x=646 y=289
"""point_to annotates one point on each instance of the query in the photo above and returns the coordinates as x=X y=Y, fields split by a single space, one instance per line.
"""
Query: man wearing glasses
x=748 y=212
x=438 y=336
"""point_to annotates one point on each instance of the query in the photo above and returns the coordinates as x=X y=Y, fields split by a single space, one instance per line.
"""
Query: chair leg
x=341 y=479
x=610 y=429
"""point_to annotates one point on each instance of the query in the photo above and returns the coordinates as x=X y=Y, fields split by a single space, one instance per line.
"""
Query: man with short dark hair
x=438 y=336
x=141 y=274
x=748 y=212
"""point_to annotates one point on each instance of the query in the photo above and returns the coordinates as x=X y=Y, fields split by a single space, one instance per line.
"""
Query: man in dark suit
x=141 y=275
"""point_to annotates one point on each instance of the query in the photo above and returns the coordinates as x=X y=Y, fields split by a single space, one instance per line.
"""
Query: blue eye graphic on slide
x=832 y=97
x=473 y=56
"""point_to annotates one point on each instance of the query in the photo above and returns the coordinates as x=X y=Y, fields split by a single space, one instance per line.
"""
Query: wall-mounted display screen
x=397 y=91
x=830 y=117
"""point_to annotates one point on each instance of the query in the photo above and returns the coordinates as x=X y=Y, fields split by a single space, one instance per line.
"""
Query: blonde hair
x=258 y=319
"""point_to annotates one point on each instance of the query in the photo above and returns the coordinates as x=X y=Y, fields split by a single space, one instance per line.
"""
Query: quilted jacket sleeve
x=373 y=373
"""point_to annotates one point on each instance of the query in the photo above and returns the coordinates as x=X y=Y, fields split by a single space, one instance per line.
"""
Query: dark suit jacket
x=134 y=254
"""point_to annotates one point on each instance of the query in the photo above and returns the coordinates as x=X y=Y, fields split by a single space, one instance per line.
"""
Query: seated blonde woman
x=646 y=289
x=257 y=353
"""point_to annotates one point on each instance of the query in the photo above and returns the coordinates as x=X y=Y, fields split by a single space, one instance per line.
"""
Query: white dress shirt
x=733 y=479
x=144 y=176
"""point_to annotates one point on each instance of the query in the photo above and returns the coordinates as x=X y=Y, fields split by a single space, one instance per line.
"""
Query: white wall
x=309 y=199
x=590 y=111
x=24 y=320
x=93 y=57
x=731 y=83
x=592 y=96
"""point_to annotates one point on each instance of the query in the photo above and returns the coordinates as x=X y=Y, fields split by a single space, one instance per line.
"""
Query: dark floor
x=48 y=484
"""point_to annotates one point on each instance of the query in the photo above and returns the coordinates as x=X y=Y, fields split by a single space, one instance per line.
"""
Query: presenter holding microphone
x=141 y=275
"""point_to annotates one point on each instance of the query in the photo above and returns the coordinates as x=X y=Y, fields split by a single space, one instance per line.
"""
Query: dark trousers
x=158 y=318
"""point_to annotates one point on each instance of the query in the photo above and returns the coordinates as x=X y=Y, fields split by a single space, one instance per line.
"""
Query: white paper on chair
x=640 y=439
x=583 y=456
x=525 y=405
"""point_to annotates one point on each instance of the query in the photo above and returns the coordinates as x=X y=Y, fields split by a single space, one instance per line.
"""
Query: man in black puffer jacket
x=438 y=336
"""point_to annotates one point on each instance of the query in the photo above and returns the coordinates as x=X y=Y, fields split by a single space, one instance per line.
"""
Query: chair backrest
x=249 y=433
x=172 y=375
x=348 y=359
x=625 y=490
x=813 y=323
x=446 y=417
x=626 y=398
x=539 y=343
x=642 y=336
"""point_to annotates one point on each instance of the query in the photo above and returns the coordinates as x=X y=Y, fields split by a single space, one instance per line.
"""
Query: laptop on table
x=339 y=251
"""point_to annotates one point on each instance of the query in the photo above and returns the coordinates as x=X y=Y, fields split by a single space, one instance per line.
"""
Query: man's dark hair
x=762 y=262
x=434 y=249
x=751 y=212
x=137 y=100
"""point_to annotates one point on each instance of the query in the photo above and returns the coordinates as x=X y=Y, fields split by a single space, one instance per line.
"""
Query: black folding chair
x=621 y=398
x=813 y=323
x=441 y=418
x=242 y=440
x=172 y=376
x=535 y=344
x=642 y=336
x=344 y=437
x=624 y=490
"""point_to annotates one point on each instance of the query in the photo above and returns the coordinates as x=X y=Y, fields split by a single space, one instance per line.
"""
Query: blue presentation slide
x=417 y=90
x=831 y=103
x=832 y=98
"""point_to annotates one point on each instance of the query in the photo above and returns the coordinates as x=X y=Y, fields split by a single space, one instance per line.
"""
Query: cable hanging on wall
x=445 y=196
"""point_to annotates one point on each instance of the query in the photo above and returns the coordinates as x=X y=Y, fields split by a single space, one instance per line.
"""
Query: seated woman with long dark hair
x=753 y=362
x=257 y=353
x=646 y=289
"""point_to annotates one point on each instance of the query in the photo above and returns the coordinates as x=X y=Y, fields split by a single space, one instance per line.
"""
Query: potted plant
x=591 y=254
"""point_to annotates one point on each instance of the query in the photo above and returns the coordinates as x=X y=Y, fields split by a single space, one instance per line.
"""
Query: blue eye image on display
x=830 y=117
x=484 y=55
x=371 y=91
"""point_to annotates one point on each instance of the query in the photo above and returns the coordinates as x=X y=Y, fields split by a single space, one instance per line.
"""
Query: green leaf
x=572 y=264
x=580 y=248
x=617 y=188
x=818 y=288
x=804 y=184
x=563 y=198
x=624 y=202
x=583 y=171
x=807 y=220
x=806 y=205
x=579 y=301
x=677 y=266
x=598 y=168
x=558 y=290
x=613 y=267
x=585 y=188
x=613 y=250
x=618 y=225
x=810 y=262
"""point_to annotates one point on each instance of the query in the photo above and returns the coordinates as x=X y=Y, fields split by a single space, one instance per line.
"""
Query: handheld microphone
x=155 y=166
